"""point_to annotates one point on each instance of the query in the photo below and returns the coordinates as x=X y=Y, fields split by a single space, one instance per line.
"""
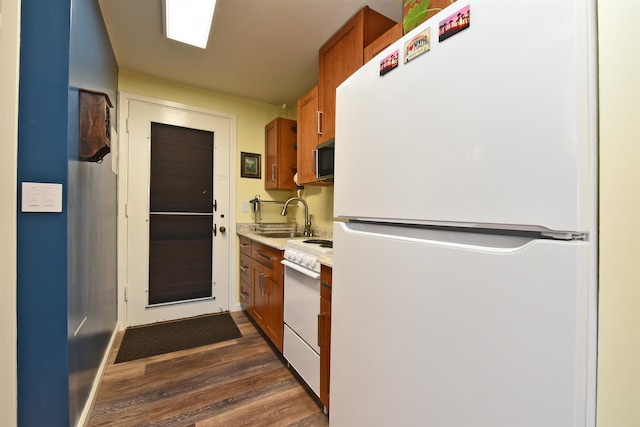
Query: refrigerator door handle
x=490 y=243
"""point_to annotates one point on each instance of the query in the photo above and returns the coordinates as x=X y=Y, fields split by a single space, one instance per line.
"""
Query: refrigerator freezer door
x=434 y=328
x=494 y=125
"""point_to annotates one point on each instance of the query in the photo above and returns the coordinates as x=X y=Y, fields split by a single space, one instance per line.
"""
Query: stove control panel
x=301 y=258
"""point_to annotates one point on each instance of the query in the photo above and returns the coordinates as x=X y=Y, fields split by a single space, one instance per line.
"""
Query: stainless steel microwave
x=324 y=160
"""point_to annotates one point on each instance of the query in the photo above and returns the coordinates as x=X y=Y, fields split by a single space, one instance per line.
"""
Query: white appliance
x=302 y=306
x=465 y=271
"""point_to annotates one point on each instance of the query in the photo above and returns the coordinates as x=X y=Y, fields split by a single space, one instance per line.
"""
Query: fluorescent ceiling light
x=189 y=21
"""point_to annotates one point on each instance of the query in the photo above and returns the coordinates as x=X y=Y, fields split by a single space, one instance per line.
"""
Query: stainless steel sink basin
x=290 y=234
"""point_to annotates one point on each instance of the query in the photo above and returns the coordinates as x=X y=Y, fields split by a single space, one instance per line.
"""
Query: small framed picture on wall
x=250 y=165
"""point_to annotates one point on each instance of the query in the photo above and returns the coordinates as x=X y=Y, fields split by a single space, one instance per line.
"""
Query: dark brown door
x=181 y=214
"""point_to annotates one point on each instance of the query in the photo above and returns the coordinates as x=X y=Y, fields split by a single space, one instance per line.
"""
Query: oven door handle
x=301 y=269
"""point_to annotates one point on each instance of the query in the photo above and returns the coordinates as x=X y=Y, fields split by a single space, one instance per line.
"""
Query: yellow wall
x=320 y=201
x=252 y=116
x=619 y=299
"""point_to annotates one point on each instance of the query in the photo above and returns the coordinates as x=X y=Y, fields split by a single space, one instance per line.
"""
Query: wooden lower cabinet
x=268 y=299
x=262 y=287
x=324 y=324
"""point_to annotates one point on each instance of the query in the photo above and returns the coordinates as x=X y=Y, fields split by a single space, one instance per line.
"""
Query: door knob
x=223 y=229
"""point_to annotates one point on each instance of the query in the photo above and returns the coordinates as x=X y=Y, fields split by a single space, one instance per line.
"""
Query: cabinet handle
x=314 y=161
x=263 y=292
x=320 y=329
x=273 y=172
x=244 y=245
x=318 y=120
x=264 y=255
x=244 y=268
x=244 y=296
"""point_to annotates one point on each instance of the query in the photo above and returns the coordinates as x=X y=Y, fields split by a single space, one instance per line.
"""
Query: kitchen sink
x=282 y=235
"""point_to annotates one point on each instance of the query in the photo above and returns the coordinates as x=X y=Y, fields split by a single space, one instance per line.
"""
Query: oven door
x=301 y=308
x=302 y=302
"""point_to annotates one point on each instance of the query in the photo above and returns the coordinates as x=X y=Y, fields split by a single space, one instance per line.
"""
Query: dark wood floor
x=234 y=383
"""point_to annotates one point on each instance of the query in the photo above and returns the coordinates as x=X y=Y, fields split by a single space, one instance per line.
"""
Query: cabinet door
x=259 y=276
x=308 y=133
x=341 y=56
x=280 y=149
x=275 y=309
x=268 y=299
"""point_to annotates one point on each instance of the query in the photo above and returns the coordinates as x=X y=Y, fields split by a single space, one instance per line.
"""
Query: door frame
x=119 y=152
x=9 y=87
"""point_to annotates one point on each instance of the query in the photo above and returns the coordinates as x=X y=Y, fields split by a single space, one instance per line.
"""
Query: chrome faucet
x=307 y=219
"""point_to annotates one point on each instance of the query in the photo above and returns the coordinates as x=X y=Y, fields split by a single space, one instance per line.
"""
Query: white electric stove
x=305 y=252
x=302 y=306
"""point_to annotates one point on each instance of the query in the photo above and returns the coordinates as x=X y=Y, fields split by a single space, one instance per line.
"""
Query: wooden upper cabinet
x=341 y=56
x=281 y=157
x=378 y=45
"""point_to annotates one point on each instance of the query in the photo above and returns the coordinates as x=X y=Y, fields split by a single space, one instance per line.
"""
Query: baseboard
x=86 y=412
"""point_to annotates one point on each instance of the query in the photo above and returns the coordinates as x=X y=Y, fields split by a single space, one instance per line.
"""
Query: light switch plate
x=41 y=197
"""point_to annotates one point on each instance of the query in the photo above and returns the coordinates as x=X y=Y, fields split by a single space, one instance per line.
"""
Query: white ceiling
x=266 y=50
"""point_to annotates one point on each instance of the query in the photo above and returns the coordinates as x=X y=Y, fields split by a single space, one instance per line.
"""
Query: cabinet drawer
x=245 y=268
x=246 y=294
x=325 y=290
x=245 y=245
x=268 y=256
x=325 y=282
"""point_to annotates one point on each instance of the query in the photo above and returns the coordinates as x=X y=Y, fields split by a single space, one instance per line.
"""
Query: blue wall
x=91 y=203
x=42 y=237
x=66 y=261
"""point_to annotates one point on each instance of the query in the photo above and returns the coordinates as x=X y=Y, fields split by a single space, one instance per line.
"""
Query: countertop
x=248 y=230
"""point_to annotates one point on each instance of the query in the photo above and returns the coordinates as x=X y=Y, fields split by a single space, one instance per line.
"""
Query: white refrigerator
x=465 y=241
